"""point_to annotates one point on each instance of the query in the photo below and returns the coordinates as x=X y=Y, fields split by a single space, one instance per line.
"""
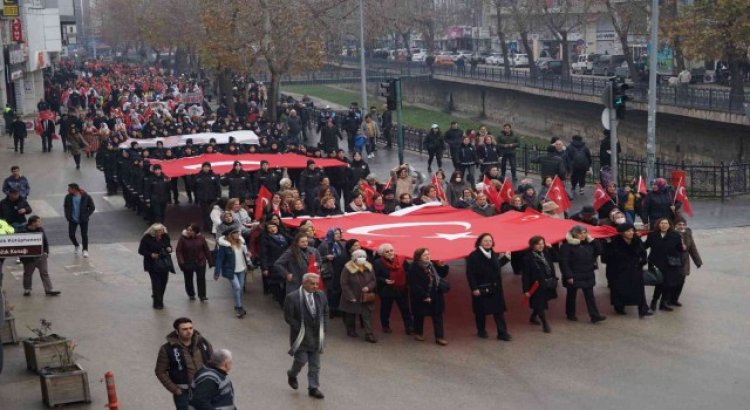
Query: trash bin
x=677 y=176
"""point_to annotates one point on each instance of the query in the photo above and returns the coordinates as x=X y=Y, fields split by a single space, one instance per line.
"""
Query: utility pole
x=398 y=119
x=652 y=67
x=363 y=70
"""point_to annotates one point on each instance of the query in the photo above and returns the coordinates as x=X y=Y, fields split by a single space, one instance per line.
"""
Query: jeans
x=508 y=158
x=28 y=271
x=570 y=302
x=182 y=402
x=238 y=283
x=200 y=278
x=72 y=227
x=386 y=304
x=312 y=360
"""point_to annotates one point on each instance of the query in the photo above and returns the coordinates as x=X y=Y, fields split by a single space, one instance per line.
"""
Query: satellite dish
x=605 y=118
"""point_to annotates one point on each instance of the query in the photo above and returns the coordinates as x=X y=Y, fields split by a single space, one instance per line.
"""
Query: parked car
x=549 y=67
x=465 y=53
x=494 y=59
x=520 y=60
x=483 y=57
x=444 y=58
x=584 y=63
x=418 y=54
x=606 y=64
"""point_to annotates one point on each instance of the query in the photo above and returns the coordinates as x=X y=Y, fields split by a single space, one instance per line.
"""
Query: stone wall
x=678 y=138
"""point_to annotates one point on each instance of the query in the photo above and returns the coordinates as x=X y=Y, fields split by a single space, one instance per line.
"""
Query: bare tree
x=561 y=17
x=628 y=17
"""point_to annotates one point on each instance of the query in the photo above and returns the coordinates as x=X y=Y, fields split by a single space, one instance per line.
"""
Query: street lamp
x=363 y=71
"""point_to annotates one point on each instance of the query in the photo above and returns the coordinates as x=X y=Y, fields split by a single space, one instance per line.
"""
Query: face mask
x=361 y=261
x=458 y=179
x=620 y=221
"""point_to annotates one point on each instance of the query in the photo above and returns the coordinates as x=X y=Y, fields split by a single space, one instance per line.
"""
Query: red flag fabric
x=642 y=188
x=558 y=195
x=506 y=191
x=600 y=197
x=367 y=191
x=387 y=185
x=221 y=164
x=448 y=232
x=491 y=193
x=439 y=187
x=313 y=267
x=681 y=195
x=263 y=199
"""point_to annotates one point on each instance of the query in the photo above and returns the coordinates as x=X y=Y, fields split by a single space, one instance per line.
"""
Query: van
x=584 y=63
x=606 y=64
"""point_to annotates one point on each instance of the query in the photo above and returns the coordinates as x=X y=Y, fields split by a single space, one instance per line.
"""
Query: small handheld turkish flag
x=367 y=191
x=558 y=195
x=264 y=198
x=600 y=197
x=681 y=195
x=312 y=267
x=439 y=188
x=642 y=188
x=506 y=191
x=491 y=193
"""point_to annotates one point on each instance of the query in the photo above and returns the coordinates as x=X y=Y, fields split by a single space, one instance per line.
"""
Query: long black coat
x=535 y=271
x=625 y=271
x=578 y=261
x=481 y=273
x=270 y=251
x=206 y=187
x=661 y=248
x=422 y=285
x=657 y=205
x=149 y=244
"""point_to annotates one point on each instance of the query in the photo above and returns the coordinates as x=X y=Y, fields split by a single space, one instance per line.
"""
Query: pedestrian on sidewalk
x=434 y=144
x=17 y=181
x=78 y=207
x=156 y=250
x=232 y=261
x=18 y=129
x=30 y=264
x=192 y=256
x=76 y=144
x=691 y=251
x=306 y=312
x=184 y=353
x=212 y=389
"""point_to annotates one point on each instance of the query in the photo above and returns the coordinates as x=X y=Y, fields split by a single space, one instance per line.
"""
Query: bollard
x=113 y=404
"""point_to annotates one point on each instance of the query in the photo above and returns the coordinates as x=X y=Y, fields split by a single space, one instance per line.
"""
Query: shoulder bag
x=652 y=276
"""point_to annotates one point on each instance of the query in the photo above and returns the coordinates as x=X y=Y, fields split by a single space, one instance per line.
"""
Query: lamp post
x=363 y=71
x=652 y=67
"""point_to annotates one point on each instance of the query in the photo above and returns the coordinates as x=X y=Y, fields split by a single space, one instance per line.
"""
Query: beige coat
x=691 y=252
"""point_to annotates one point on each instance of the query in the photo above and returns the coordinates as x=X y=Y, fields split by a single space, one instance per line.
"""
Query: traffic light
x=619 y=99
x=388 y=90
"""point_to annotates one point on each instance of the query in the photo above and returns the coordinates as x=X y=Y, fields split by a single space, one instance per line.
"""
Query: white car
x=465 y=53
x=419 y=55
x=495 y=59
x=520 y=60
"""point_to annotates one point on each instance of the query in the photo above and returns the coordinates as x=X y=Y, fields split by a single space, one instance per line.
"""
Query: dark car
x=606 y=64
x=550 y=67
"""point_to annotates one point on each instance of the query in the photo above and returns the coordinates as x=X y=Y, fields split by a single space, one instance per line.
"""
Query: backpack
x=578 y=157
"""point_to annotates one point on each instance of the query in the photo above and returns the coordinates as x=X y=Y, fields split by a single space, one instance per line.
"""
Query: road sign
x=605 y=118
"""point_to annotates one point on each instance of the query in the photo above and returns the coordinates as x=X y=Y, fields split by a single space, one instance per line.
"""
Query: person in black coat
x=156 y=194
x=578 y=266
x=659 y=203
x=240 y=183
x=666 y=254
x=540 y=268
x=467 y=158
x=272 y=244
x=390 y=273
x=207 y=191
x=18 y=129
x=78 y=216
x=625 y=257
x=426 y=289
x=483 y=272
x=156 y=250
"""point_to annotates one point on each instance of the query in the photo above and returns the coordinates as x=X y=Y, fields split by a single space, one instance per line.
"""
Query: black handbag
x=652 y=276
x=551 y=283
x=674 y=261
x=163 y=263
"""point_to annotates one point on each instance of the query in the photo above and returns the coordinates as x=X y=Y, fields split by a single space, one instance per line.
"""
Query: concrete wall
x=678 y=138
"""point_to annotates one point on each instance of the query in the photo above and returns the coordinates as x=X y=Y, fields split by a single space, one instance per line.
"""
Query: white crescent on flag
x=370 y=230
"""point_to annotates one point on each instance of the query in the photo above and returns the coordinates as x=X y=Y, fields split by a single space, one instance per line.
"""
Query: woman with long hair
x=483 y=272
x=157 y=260
x=666 y=250
x=192 y=256
x=231 y=262
x=295 y=261
x=273 y=243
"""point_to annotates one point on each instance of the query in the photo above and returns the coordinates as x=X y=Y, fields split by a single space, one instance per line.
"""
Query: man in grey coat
x=306 y=312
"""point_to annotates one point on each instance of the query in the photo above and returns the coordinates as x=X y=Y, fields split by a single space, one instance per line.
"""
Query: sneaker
x=580 y=191
x=27 y=292
x=85 y=254
x=76 y=250
x=52 y=293
x=18 y=260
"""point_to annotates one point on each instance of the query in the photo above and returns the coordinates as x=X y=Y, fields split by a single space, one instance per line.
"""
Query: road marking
x=42 y=208
x=116 y=201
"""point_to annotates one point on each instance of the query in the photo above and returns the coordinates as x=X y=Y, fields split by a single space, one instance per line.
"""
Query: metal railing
x=703 y=98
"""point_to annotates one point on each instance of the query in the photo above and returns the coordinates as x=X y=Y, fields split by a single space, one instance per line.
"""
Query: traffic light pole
x=652 y=67
x=613 y=136
x=400 y=123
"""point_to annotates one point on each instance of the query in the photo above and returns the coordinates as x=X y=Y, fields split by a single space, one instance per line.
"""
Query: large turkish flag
x=448 y=232
x=221 y=163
